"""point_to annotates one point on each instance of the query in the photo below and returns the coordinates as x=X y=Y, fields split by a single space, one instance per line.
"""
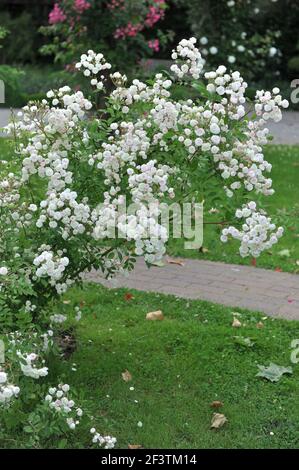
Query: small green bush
x=293 y=65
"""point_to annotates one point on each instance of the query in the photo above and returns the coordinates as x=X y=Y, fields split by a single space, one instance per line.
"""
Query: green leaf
x=273 y=372
x=28 y=429
x=62 y=444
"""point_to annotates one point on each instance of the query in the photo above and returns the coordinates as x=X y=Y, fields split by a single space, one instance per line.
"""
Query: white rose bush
x=77 y=162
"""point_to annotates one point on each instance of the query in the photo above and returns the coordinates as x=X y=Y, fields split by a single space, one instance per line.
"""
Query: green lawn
x=283 y=206
x=179 y=366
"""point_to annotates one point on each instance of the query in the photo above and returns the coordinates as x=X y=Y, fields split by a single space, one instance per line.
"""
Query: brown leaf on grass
x=218 y=420
x=128 y=296
x=126 y=376
x=236 y=323
x=216 y=404
x=260 y=325
x=158 y=315
x=66 y=302
x=134 y=446
x=179 y=262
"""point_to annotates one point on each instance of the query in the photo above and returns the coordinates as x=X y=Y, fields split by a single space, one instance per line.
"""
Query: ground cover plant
x=85 y=188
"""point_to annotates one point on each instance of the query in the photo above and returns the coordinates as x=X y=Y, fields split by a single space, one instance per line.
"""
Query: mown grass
x=179 y=366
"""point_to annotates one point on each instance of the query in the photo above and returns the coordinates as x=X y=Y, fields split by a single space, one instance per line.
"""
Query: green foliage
x=19 y=46
x=293 y=65
x=30 y=83
x=68 y=39
x=11 y=77
x=257 y=26
x=3 y=34
x=283 y=205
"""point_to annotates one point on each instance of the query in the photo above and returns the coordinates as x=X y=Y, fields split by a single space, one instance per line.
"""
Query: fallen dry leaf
x=216 y=404
x=253 y=262
x=128 y=296
x=126 y=376
x=260 y=325
x=158 y=315
x=134 y=446
x=236 y=323
x=66 y=302
x=218 y=420
x=179 y=262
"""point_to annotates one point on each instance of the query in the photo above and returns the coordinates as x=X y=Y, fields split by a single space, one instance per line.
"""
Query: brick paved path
x=274 y=293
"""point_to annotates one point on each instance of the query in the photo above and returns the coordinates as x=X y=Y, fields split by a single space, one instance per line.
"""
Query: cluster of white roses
x=192 y=62
x=7 y=391
x=60 y=144
x=58 y=318
x=93 y=64
x=269 y=105
x=9 y=190
x=108 y=442
x=50 y=265
x=124 y=158
x=256 y=234
x=58 y=400
x=64 y=210
x=29 y=367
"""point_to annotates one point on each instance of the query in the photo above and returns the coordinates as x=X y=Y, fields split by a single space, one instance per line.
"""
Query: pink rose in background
x=154 y=45
x=131 y=30
x=57 y=15
x=81 y=5
x=154 y=14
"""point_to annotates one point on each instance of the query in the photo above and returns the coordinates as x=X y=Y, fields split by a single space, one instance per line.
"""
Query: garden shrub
x=74 y=167
x=126 y=34
x=19 y=45
x=255 y=36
